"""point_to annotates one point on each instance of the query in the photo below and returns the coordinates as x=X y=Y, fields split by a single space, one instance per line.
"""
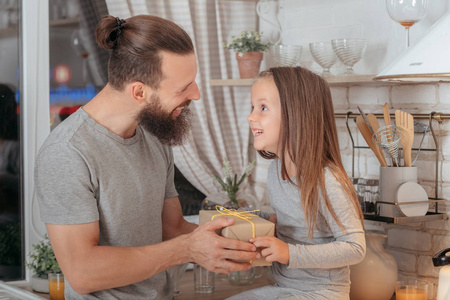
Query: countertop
x=223 y=289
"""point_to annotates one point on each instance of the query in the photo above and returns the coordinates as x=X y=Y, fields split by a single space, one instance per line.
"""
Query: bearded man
x=104 y=176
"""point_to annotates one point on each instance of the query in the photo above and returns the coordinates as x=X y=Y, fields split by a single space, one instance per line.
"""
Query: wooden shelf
x=430 y=216
x=352 y=80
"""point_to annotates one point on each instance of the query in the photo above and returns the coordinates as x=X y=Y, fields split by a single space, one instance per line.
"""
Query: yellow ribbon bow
x=244 y=215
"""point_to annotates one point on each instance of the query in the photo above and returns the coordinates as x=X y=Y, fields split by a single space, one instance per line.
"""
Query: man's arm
x=173 y=223
x=89 y=267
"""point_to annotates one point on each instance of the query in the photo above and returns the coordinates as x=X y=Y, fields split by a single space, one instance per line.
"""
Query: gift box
x=242 y=229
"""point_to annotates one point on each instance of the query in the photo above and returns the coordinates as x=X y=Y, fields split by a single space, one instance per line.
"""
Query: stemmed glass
x=80 y=48
x=407 y=12
x=324 y=55
x=349 y=51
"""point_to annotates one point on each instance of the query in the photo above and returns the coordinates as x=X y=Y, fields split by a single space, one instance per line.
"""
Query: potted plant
x=230 y=184
x=42 y=262
x=249 y=52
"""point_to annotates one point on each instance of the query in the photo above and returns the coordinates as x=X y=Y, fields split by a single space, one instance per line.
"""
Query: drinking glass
x=177 y=274
x=323 y=54
x=411 y=290
x=56 y=286
x=349 y=51
x=204 y=282
x=407 y=13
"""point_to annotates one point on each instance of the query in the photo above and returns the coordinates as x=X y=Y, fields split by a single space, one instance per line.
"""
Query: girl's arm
x=344 y=251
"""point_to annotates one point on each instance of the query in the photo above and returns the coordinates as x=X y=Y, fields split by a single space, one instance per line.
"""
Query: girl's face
x=265 y=119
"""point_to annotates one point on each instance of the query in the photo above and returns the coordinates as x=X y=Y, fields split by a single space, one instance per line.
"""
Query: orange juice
x=411 y=294
x=56 y=289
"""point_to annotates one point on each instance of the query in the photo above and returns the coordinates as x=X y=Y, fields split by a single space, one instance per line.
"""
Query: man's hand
x=214 y=252
x=274 y=248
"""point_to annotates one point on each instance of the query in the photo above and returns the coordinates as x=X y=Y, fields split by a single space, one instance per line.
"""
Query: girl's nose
x=251 y=118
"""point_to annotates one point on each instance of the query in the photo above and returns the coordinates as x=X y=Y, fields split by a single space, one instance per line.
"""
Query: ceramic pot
x=39 y=284
x=249 y=64
x=374 y=278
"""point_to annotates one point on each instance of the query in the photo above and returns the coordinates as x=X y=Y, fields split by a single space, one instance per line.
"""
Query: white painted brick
x=445 y=146
x=444 y=93
x=425 y=170
x=440 y=242
x=339 y=96
x=373 y=167
x=426 y=268
x=446 y=171
x=445 y=192
x=409 y=239
x=405 y=262
x=411 y=95
x=368 y=95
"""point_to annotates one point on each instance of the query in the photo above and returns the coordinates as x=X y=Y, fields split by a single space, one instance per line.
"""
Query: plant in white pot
x=42 y=262
x=249 y=52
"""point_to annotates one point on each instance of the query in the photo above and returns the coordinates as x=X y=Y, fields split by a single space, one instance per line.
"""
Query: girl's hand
x=274 y=249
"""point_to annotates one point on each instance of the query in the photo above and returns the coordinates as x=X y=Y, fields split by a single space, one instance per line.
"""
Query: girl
x=320 y=229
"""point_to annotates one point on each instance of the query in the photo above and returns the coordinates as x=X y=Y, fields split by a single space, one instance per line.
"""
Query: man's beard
x=158 y=122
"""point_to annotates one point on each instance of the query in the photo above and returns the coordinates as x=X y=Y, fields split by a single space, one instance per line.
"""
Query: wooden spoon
x=387 y=122
x=375 y=126
x=367 y=135
x=405 y=121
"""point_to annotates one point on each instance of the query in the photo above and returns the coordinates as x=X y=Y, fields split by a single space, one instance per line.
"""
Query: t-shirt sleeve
x=348 y=247
x=64 y=186
x=170 y=184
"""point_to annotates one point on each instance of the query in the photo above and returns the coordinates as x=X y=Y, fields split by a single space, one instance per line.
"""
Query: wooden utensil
x=367 y=135
x=387 y=123
x=373 y=121
x=405 y=121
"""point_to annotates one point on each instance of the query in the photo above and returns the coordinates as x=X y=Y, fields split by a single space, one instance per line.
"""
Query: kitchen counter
x=223 y=289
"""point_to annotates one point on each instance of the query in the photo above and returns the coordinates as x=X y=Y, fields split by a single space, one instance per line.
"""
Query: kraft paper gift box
x=242 y=229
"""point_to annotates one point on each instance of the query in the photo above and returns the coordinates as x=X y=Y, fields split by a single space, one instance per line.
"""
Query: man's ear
x=138 y=91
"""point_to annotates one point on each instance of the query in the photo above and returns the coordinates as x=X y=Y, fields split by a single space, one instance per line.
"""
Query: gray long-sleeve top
x=322 y=262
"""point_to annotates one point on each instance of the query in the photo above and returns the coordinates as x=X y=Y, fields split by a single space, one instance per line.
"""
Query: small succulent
x=247 y=41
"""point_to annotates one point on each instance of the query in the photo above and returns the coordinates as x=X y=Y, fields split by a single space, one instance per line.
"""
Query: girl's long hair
x=309 y=138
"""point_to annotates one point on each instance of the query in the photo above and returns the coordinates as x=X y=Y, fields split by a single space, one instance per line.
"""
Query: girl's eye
x=263 y=108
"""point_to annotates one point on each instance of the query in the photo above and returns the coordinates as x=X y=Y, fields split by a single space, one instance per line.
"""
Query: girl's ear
x=138 y=91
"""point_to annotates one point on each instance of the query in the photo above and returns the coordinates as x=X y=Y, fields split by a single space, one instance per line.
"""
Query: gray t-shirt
x=85 y=173
x=321 y=263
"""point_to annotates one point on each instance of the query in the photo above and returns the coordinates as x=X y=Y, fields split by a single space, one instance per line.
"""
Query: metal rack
x=430 y=216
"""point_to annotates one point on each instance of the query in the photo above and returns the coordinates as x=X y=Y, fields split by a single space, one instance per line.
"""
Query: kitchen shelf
x=352 y=80
x=332 y=80
x=430 y=216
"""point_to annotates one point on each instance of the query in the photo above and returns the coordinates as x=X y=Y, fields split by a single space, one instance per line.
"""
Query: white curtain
x=220 y=128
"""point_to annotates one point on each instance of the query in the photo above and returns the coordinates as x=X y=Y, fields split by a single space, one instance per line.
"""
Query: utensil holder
x=390 y=179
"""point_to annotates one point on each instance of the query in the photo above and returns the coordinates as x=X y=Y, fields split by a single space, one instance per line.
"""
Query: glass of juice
x=56 y=286
x=411 y=290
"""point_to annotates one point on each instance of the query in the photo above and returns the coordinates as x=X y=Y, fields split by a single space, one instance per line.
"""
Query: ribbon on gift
x=244 y=215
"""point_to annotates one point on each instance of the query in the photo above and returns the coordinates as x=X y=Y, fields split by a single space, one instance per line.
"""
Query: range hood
x=426 y=60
